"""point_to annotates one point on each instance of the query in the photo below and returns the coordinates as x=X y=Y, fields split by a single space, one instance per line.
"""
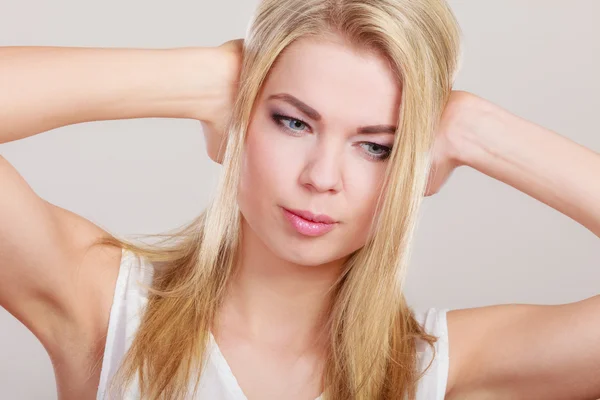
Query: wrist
x=194 y=82
x=477 y=123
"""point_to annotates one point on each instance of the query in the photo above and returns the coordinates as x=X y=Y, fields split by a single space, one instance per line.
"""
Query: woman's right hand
x=214 y=117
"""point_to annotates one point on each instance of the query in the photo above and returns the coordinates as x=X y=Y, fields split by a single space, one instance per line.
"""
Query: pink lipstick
x=308 y=223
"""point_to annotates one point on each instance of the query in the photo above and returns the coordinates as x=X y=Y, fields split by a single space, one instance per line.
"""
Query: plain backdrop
x=479 y=241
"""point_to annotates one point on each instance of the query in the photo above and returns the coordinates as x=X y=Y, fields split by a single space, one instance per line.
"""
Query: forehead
x=337 y=80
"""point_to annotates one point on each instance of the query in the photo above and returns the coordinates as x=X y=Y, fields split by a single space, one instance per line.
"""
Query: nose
x=323 y=170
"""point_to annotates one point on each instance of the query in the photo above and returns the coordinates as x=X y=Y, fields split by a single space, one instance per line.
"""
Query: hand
x=446 y=151
x=215 y=118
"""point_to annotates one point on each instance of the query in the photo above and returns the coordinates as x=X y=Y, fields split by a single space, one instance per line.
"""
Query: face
x=316 y=151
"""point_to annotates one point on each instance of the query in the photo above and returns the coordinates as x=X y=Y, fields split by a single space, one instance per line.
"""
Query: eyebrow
x=314 y=114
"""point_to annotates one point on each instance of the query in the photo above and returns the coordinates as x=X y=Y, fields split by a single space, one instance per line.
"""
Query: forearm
x=534 y=160
x=42 y=88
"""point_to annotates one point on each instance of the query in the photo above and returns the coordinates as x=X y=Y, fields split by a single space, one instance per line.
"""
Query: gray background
x=479 y=241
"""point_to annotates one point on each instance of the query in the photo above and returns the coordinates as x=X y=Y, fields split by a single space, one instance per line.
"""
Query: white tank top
x=217 y=381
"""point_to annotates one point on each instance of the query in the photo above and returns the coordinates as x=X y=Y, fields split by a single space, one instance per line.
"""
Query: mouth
x=309 y=224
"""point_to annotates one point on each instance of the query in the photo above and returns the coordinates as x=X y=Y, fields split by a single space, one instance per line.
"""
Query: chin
x=308 y=260
x=310 y=253
x=290 y=249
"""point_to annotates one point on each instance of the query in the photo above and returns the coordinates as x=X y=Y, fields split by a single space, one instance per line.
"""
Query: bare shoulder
x=51 y=280
x=525 y=351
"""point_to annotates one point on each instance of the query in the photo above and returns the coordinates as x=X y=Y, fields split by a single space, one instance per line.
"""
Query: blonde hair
x=372 y=332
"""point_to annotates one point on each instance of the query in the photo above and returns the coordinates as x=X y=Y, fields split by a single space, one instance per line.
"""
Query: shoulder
x=433 y=320
x=133 y=281
x=433 y=360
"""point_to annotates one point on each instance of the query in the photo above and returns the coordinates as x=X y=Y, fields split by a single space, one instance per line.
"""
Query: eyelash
x=278 y=120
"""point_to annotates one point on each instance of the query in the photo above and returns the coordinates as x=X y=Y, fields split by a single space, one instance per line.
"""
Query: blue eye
x=293 y=125
x=296 y=127
x=376 y=151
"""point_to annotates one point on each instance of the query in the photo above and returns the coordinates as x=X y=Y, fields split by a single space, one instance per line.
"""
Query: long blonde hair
x=372 y=332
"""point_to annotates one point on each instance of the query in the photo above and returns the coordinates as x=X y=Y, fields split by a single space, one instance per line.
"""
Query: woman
x=328 y=122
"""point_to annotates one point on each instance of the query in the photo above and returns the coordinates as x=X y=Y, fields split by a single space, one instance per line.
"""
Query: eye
x=293 y=125
x=376 y=151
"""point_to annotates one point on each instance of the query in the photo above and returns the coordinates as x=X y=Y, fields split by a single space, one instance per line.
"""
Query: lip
x=309 y=224
x=307 y=215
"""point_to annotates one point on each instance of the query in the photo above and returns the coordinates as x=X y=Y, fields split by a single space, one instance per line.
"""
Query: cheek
x=362 y=192
x=268 y=169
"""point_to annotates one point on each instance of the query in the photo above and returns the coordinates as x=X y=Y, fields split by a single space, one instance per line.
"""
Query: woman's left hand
x=446 y=152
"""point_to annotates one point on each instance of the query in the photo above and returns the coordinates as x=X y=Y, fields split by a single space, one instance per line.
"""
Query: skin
x=323 y=166
x=510 y=351
x=268 y=326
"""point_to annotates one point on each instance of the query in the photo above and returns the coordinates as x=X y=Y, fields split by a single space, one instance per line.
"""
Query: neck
x=274 y=300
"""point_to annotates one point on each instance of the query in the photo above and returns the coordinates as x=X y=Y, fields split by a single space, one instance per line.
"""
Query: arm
x=521 y=351
x=43 y=281
x=535 y=160
x=42 y=88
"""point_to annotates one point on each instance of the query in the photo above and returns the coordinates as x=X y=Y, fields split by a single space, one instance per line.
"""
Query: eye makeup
x=280 y=121
x=381 y=152
x=378 y=151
